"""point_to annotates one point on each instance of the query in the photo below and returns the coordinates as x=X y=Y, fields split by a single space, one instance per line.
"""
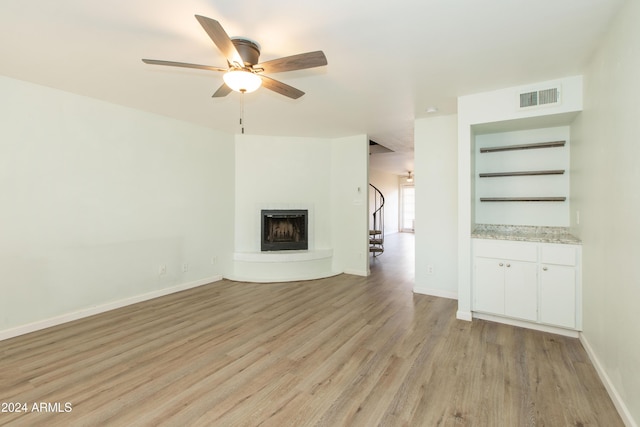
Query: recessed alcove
x=522 y=176
x=493 y=119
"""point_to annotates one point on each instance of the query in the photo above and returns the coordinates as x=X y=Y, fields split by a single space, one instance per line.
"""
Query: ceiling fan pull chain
x=242 y=110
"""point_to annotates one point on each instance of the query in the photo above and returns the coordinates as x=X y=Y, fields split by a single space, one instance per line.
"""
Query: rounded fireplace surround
x=282 y=266
x=256 y=265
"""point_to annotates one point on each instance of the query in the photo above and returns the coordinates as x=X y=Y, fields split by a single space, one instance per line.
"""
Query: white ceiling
x=388 y=61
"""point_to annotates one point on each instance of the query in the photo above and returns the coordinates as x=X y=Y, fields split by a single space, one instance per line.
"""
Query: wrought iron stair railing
x=376 y=228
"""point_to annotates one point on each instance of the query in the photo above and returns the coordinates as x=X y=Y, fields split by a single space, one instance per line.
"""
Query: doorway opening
x=407 y=208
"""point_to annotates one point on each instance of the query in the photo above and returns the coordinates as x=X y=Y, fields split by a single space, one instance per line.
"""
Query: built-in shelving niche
x=532 y=146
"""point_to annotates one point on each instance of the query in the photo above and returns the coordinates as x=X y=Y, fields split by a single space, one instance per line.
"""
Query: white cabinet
x=489 y=285
x=534 y=282
x=506 y=287
x=558 y=296
x=558 y=282
x=520 y=290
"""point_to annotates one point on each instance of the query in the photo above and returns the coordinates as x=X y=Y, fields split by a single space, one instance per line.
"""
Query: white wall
x=350 y=184
x=388 y=184
x=604 y=184
x=436 y=183
x=95 y=197
x=282 y=173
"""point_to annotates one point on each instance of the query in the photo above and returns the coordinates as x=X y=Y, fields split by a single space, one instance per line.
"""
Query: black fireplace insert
x=283 y=230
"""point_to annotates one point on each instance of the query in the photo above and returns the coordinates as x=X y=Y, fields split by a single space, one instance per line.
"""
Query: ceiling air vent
x=528 y=99
x=548 y=96
x=540 y=97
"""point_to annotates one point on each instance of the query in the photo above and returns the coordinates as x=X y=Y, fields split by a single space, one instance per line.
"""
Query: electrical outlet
x=577 y=217
x=162 y=270
x=185 y=267
x=429 y=269
x=214 y=260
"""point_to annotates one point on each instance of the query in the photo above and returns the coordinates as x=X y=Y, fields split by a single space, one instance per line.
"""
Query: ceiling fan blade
x=222 y=91
x=294 y=62
x=281 y=88
x=182 y=64
x=221 y=39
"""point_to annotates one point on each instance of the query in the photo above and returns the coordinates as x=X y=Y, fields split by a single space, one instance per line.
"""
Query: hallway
x=397 y=260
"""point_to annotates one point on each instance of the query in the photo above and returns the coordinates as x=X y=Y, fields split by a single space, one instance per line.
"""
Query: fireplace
x=283 y=230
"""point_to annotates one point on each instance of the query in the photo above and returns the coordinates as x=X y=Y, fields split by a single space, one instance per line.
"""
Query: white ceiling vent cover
x=540 y=97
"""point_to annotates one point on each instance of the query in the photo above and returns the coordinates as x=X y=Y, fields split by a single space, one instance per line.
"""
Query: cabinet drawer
x=558 y=254
x=519 y=251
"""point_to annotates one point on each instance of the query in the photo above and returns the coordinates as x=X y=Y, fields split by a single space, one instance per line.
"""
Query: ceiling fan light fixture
x=410 y=177
x=242 y=81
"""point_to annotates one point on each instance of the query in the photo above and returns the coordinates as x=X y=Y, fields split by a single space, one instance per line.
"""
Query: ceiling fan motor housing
x=248 y=49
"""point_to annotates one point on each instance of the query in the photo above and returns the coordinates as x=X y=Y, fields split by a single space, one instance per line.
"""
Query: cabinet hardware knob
x=508 y=265
x=501 y=264
x=544 y=268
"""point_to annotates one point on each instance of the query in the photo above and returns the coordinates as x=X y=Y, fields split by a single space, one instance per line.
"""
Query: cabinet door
x=521 y=290
x=558 y=295
x=488 y=289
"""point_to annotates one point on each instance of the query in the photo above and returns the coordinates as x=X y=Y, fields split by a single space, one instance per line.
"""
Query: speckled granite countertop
x=525 y=233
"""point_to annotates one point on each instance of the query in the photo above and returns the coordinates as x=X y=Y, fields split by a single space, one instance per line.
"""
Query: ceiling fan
x=243 y=72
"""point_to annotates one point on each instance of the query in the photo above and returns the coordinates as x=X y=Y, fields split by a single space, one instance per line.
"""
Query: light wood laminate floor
x=343 y=351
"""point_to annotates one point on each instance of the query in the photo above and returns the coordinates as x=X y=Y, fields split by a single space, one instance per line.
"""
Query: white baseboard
x=355 y=272
x=435 y=292
x=464 y=315
x=611 y=389
x=572 y=333
x=90 y=311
